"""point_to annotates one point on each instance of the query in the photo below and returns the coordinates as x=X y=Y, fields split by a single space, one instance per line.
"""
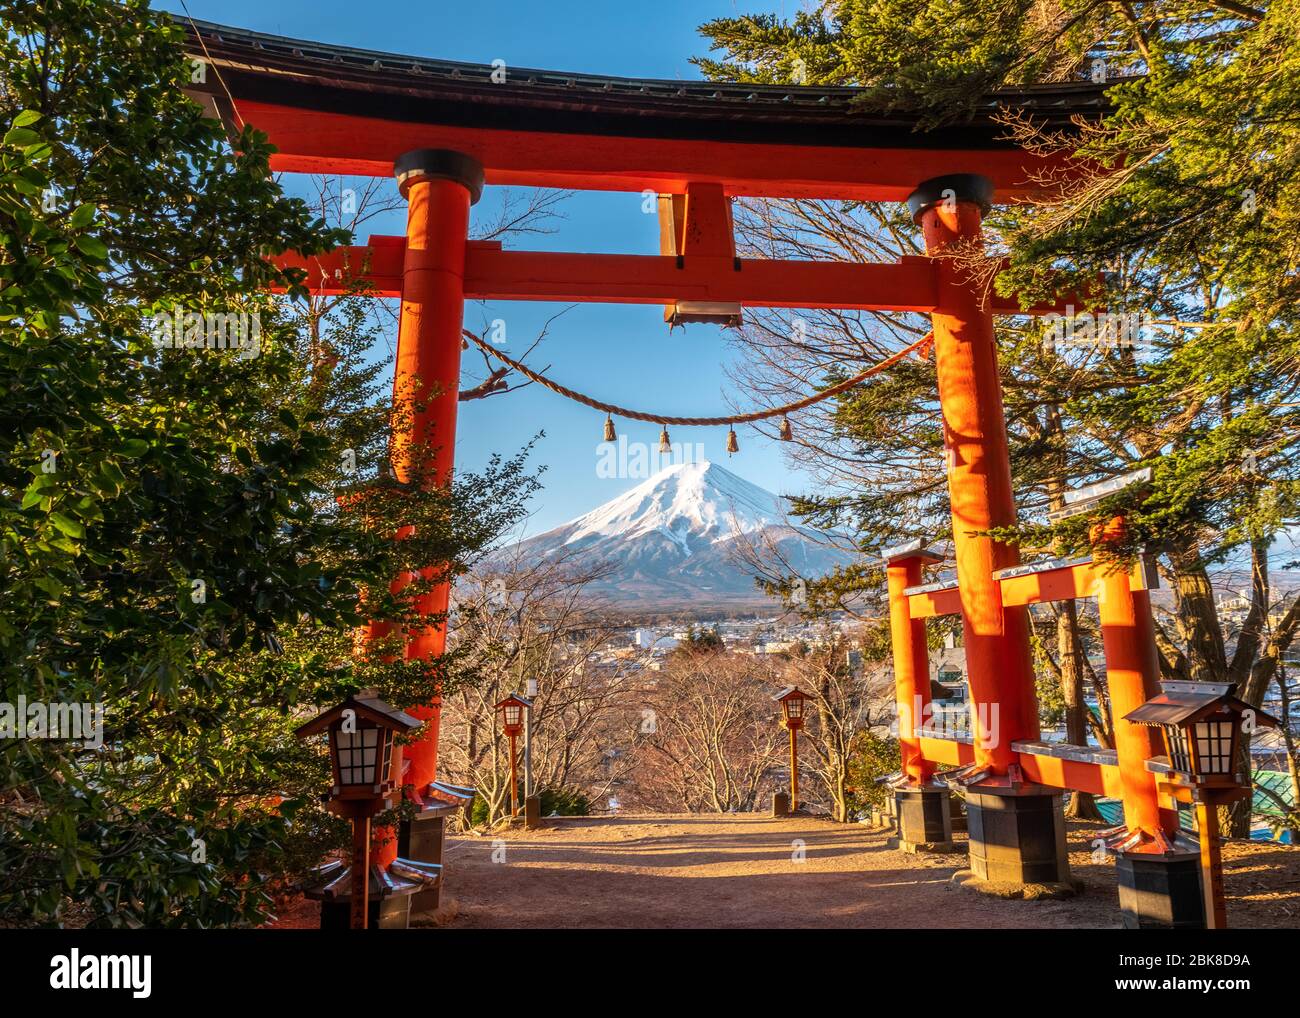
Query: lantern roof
x=790 y=693
x=338 y=109
x=914 y=548
x=332 y=881
x=367 y=706
x=1085 y=499
x=1183 y=703
x=514 y=698
x=457 y=794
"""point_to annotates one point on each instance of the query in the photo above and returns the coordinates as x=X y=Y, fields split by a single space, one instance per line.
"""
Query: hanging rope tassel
x=732 y=444
x=664 y=444
x=609 y=429
x=786 y=433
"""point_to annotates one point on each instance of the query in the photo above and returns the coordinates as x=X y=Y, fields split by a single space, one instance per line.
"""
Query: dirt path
x=740 y=871
x=732 y=872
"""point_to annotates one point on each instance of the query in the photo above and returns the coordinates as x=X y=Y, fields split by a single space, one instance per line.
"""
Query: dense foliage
x=173 y=544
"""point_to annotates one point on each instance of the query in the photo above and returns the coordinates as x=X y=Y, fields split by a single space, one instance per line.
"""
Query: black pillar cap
x=442 y=164
x=964 y=186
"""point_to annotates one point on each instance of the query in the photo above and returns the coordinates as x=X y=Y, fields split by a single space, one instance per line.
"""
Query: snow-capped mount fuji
x=679 y=538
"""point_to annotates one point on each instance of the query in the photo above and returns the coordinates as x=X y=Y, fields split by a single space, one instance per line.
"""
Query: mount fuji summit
x=679 y=540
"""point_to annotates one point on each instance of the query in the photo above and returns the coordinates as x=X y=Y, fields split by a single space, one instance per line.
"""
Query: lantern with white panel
x=512 y=710
x=1202 y=723
x=793 y=700
x=366 y=764
x=512 y=714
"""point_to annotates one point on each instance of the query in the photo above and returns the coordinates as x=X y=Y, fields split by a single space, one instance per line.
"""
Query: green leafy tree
x=183 y=538
x=701 y=641
x=872 y=756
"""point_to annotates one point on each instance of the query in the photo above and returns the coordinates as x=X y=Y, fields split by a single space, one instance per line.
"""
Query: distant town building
x=647 y=639
x=1234 y=609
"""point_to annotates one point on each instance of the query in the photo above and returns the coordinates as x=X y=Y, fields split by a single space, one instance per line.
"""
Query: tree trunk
x=1069 y=649
x=1294 y=771
x=1239 y=814
x=1289 y=741
x=1198 y=618
x=1202 y=635
x=1249 y=640
x=1266 y=668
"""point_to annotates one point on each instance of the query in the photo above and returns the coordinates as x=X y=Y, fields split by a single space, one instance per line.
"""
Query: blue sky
x=621 y=354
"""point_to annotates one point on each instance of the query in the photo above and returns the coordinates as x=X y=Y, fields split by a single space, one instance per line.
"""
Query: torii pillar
x=439 y=186
x=923 y=806
x=1017 y=829
x=1157 y=869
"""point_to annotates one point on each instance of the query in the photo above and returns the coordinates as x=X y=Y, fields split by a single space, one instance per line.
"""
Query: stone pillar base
x=1023 y=892
x=391 y=913
x=1017 y=835
x=533 y=811
x=420 y=839
x=780 y=804
x=926 y=847
x=1160 y=892
x=924 y=819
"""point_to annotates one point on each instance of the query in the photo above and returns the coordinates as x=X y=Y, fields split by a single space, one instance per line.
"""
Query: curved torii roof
x=334 y=109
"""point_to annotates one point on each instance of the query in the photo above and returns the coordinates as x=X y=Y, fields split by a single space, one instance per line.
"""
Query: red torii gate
x=445 y=129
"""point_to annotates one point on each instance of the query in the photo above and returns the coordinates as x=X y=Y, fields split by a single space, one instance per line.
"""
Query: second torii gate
x=447 y=129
